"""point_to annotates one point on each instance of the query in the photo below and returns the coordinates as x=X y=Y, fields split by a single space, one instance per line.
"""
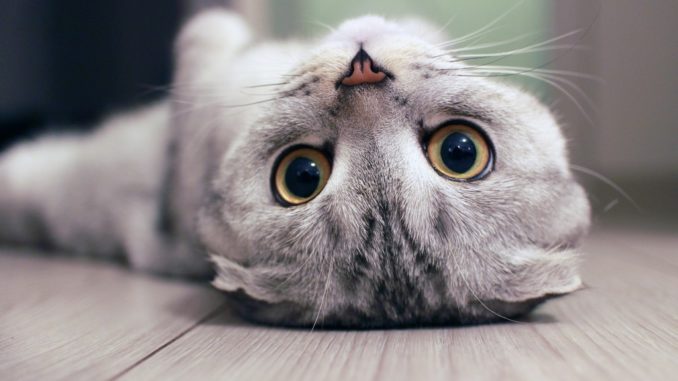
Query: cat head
x=387 y=184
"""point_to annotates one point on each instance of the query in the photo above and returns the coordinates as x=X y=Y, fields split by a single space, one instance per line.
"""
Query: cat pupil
x=302 y=177
x=458 y=152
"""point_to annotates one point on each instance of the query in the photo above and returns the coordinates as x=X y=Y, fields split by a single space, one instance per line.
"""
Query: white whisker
x=609 y=182
x=322 y=301
x=442 y=28
x=470 y=290
x=519 y=69
x=491 y=44
x=544 y=43
x=322 y=24
x=550 y=79
x=486 y=27
x=610 y=205
x=519 y=51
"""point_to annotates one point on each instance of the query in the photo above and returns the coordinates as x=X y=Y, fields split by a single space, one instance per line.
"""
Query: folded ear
x=261 y=283
x=210 y=38
x=533 y=274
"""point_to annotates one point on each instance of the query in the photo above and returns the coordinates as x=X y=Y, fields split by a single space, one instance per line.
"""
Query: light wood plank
x=65 y=319
x=622 y=327
x=71 y=319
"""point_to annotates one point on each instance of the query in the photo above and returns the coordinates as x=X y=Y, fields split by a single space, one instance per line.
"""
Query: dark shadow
x=233 y=312
x=66 y=64
x=539 y=318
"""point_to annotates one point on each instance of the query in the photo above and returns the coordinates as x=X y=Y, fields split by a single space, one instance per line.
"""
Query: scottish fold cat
x=364 y=179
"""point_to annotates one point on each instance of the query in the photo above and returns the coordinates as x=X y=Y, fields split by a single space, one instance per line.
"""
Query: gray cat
x=365 y=179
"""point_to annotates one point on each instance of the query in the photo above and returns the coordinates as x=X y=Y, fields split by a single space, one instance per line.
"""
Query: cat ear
x=257 y=282
x=211 y=37
x=534 y=274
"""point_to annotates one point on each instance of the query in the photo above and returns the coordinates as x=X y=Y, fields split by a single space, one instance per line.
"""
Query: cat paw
x=214 y=28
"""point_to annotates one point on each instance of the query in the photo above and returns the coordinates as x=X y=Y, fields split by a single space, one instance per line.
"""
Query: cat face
x=424 y=195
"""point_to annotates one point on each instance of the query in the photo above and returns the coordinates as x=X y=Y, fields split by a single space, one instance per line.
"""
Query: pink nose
x=362 y=71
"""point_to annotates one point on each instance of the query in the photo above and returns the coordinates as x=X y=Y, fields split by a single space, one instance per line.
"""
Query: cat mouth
x=363 y=71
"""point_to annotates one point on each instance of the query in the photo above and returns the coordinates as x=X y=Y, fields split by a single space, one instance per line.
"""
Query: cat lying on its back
x=367 y=179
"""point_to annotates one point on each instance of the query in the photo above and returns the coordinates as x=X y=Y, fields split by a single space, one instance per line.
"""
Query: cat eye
x=459 y=151
x=299 y=175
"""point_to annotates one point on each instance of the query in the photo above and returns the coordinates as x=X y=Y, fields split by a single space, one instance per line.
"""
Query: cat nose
x=362 y=71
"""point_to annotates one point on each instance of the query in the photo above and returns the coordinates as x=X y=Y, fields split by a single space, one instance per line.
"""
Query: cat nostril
x=362 y=71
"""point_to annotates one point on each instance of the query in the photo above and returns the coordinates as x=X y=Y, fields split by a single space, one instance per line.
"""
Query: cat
x=365 y=179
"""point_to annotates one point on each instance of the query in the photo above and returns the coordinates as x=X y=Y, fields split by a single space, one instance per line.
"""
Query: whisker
x=610 y=205
x=561 y=88
x=267 y=85
x=459 y=59
x=544 y=43
x=550 y=80
x=470 y=290
x=492 y=44
x=539 y=70
x=322 y=24
x=565 y=35
x=575 y=44
x=218 y=102
x=480 y=56
x=260 y=93
x=486 y=26
x=584 y=96
x=322 y=300
x=609 y=182
x=520 y=51
x=469 y=41
x=488 y=45
x=551 y=77
x=442 y=28
x=301 y=267
x=148 y=89
x=254 y=103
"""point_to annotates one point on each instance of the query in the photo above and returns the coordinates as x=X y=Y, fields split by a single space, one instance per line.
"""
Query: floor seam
x=169 y=342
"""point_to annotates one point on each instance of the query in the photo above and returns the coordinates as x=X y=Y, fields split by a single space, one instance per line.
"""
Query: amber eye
x=300 y=174
x=459 y=151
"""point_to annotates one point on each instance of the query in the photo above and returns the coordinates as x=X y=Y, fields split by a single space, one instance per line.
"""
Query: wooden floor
x=75 y=320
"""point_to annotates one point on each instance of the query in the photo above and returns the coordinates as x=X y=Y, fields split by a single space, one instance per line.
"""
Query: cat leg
x=30 y=175
x=66 y=191
x=151 y=250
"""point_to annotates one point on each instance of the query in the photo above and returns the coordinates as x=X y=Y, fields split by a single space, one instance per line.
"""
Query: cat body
x=386 y=240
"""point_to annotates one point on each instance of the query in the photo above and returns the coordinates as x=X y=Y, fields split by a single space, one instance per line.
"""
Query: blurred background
x=65 y=64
